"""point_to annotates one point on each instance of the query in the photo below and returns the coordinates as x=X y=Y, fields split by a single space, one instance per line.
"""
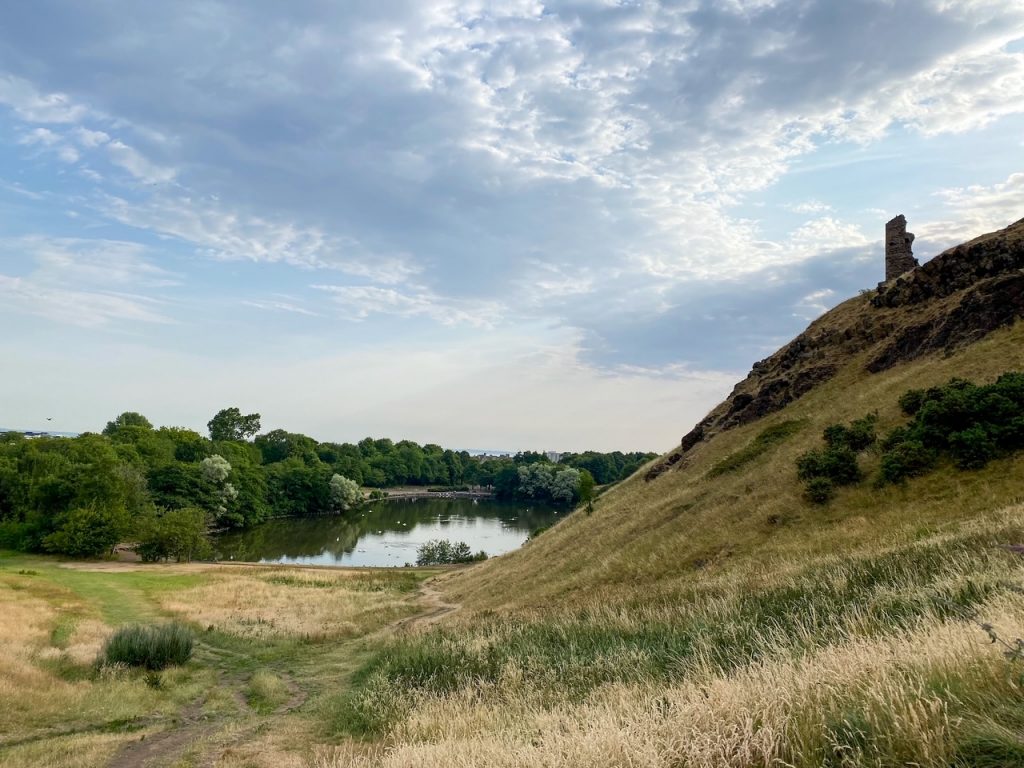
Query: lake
x=387 y=533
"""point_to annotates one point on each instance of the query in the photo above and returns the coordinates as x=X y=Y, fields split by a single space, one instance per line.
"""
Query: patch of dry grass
x=297 y=603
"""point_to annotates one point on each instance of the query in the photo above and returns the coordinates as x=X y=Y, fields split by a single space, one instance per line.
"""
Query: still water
x=387 y=533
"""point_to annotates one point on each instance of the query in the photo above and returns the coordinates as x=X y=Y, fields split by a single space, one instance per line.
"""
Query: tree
x=586 y=489
x=565 y=485
x=216 y=470
x=127 y=419
x=178 y=533
x=230 y=424
x=88 y=531
x=345 y=493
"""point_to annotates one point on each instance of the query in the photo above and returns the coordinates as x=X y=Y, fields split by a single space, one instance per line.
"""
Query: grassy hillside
x=705 y=614
x=693 y=523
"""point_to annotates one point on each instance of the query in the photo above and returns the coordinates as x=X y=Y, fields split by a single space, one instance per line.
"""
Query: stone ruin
x=899 y=257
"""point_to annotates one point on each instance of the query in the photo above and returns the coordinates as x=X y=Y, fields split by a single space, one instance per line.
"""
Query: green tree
x=345 y=493
x=230 y=424
x=88 y=531
x=127 y=419
x=181 y=534
x=586 y=489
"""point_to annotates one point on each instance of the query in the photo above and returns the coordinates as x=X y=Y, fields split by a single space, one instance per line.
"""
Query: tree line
x=165 y=486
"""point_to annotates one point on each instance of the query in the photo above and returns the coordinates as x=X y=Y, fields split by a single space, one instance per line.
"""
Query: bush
x=908 y=458
x=970 y=423
x=819 y=490
x=444 y=552
x=972 y=448
x=153 y=648
x=177 y=533
x=838 y=465
x=89 y=531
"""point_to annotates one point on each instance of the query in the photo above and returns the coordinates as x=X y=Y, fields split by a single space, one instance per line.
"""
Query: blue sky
x=518 y=224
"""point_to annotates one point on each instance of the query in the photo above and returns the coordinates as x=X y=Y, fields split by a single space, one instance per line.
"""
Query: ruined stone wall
x=899 y=256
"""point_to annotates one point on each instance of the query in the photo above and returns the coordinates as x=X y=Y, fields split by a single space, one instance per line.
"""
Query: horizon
x=527 y=224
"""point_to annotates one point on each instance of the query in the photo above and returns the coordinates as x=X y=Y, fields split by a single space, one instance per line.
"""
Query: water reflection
x=386 y=533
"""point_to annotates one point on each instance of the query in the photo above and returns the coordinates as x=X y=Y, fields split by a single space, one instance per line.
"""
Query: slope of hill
x=706 y=614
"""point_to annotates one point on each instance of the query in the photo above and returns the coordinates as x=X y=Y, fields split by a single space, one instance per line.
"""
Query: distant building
x=553 y=456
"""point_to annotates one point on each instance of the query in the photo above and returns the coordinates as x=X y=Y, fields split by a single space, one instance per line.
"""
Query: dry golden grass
x=776 y=713
x=77 y=751
x=289 y=603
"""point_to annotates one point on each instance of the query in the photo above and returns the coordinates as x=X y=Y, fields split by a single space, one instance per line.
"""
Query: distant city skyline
x=542 y=225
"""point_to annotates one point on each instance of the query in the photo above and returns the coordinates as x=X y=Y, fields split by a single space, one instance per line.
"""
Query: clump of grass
x=766 y=439
x=266 y=691
x=149 y=647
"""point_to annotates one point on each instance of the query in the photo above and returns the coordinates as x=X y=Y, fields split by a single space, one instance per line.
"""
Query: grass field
x=272 y=643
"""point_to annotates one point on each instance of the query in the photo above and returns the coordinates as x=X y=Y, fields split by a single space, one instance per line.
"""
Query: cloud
x=89 y=283
x=137 y=165
x=226 y=235
x=358 y=302
x=35 y=107
x=88 y=309
x=976 y=209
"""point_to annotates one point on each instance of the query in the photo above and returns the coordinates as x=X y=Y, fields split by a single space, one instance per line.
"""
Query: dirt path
x=435 y=609
x=193 y=730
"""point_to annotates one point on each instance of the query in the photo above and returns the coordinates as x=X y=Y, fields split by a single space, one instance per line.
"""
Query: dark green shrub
x=819 y=490
x=859 y=435
x=908 y=458
x=970 y=423
x=444 y=552
x=838 y=465
x=911 y=400
x=175 y=533
x=972 y=448
x=152 y=647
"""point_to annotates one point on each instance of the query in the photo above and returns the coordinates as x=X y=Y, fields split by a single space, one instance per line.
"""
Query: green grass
x=765 y=440
x=570 y=656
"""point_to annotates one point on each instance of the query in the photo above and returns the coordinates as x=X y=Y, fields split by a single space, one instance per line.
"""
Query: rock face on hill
x=957 y=298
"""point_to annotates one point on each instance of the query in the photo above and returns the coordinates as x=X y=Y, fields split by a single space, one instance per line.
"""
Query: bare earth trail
x=206 y=739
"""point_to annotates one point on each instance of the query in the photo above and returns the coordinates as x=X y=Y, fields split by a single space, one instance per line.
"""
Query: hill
x=706 y=614
x=952 y=317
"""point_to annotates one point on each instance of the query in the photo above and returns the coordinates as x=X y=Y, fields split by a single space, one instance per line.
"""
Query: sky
x=510 y=225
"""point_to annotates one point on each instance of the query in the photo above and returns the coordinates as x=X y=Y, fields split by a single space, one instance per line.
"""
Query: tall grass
x=564 y=658
x=149 y=647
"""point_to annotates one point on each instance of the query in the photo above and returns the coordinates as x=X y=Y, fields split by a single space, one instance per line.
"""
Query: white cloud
x=358 y=302
x=89 y=283
x=89 y=309
x=976 y=209
x=35 y=107
x=226 y=235
x=137 y=164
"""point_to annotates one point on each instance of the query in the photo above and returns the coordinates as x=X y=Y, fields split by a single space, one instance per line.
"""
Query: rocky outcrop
x=955 y=299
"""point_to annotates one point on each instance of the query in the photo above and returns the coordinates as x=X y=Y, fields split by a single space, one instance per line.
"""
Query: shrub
x=444 y=552
x=153 y=647
x=838 y=465
x=970 y=423
x=908 y=458
x=178 y=533
x=819 y=490
x=972 y=448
